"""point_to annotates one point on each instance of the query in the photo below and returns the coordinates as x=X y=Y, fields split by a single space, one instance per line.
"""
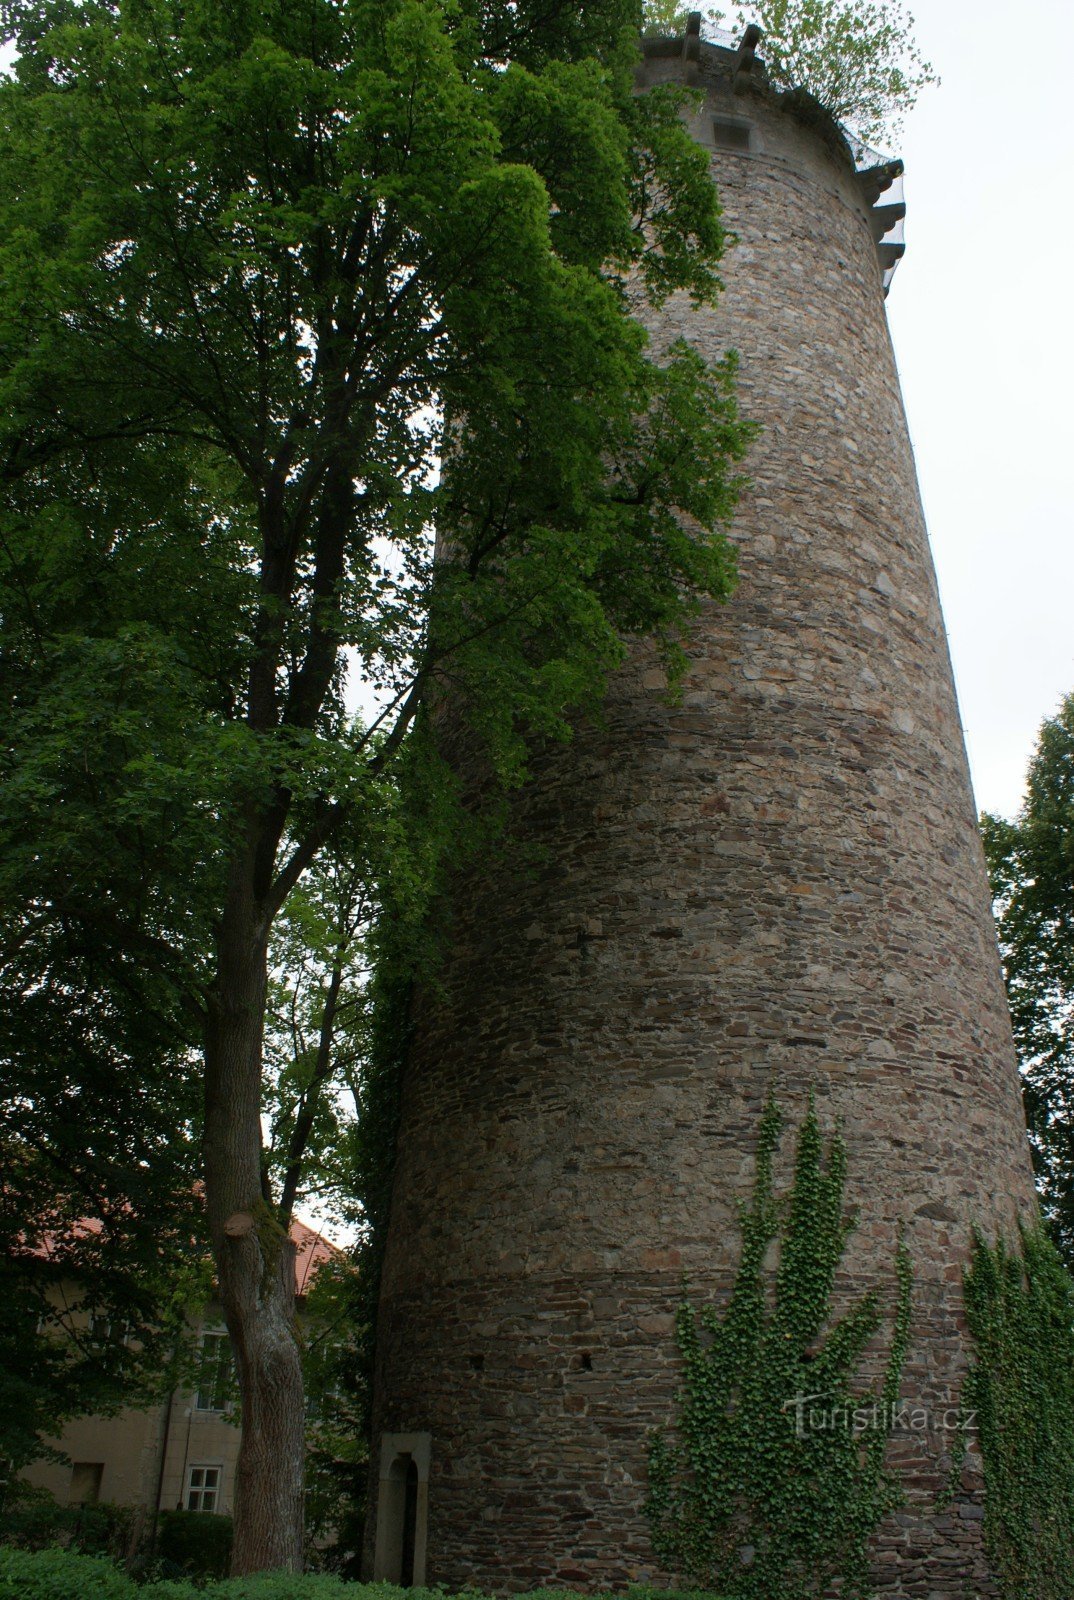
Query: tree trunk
x=253 y=1254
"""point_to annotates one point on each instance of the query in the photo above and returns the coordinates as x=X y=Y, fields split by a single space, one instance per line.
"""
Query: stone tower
x=777 y=881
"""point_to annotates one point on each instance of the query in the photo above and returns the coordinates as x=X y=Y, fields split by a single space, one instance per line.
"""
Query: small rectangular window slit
x=731 y=134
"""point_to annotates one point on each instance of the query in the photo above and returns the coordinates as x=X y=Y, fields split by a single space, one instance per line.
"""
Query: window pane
x=203 y=1488
x=214 y=1372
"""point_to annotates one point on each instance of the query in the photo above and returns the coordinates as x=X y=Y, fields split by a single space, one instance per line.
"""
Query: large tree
x=1031 y=862
x=265 y=265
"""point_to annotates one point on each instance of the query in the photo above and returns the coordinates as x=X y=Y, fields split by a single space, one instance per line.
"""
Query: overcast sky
x=983 y=327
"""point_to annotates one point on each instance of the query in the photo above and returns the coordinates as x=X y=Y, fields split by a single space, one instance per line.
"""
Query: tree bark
x=254 y=1255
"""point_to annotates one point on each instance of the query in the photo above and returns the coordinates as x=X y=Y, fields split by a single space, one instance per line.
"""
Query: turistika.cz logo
x=810 y=1414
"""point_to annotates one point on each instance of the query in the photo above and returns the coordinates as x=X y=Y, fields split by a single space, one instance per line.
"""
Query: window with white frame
x=105 y=1339
x=214 y=1373
x=203 y=1488
x=103 y=1331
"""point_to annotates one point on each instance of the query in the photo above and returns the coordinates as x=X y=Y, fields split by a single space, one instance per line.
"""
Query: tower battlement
x=744 y=113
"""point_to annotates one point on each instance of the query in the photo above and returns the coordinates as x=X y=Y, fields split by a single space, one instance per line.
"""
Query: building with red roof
x=181 y=1453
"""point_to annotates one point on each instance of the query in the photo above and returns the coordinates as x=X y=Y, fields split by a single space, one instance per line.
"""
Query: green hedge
x=194 y=1544
x=62 y=1575
x=32 y=1520
x=67 y=1575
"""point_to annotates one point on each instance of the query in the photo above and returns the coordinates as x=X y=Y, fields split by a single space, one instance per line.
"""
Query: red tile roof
x=312 y=1249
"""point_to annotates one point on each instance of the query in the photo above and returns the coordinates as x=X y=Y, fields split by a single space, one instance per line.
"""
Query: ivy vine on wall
x=1020 y=1308
x=773 y=1480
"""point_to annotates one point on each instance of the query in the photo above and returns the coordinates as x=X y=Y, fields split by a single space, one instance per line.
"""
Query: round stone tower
x=776 y=882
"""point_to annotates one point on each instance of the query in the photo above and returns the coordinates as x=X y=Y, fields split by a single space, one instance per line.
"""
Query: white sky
x=983 y=327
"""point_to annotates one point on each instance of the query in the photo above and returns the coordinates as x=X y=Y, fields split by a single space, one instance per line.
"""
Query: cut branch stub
x=238 y=1225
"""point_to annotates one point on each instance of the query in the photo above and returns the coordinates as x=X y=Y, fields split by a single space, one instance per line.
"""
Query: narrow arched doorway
x=402 y=1509
x=410 y=1522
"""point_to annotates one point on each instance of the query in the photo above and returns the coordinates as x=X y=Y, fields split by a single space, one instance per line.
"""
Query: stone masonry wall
x=776 y=882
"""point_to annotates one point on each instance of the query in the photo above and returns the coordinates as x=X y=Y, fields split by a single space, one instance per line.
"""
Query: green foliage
x=60 y=1575
x=858 y=58
x=57 y=1574
x=668 y=17
x=66 y=1575
x=1031 y=864
x=93 y=1321
x=753 y=1495
x=196 y=1543
x=278 y=1586
x=91 y=996
x=509 y=204
x=400 y=942
x=97 y=1100
x=337 y=1430
x=315 y=1023
x=32 y=1520
x=1020 y=1309
x=370 y=888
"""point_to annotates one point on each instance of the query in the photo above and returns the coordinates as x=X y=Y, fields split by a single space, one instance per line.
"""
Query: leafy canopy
x=858 y=58
x=1031 y=864
x=254 y=257
x=668 y=17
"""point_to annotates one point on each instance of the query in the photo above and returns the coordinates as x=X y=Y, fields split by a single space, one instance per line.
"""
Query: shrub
x=196 y=1544
x=297 y=1586
x=66 y=1575
x=58 y=1574
x=33 y=1520
x=329 y=1586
